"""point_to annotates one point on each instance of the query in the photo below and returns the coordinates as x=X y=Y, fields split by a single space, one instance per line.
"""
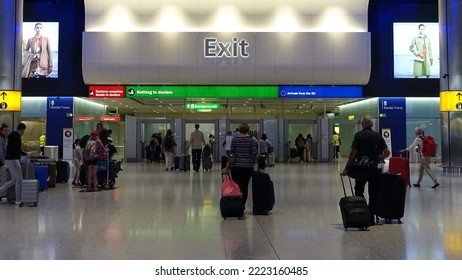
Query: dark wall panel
x=382 y=15
x=71 y=17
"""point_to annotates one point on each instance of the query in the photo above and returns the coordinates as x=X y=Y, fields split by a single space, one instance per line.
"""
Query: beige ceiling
x=236 y=108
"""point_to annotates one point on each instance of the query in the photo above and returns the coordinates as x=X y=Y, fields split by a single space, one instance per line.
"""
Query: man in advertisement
x=37 y=61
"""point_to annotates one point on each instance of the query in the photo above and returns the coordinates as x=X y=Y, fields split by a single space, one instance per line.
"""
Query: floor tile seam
x=267 y=237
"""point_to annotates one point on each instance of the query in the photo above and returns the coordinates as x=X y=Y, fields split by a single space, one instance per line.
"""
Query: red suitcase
x=400 y=166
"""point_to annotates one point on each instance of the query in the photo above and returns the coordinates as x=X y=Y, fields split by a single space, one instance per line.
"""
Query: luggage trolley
x=105 y=173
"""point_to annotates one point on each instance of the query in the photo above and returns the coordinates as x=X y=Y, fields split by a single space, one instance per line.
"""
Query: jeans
x=16 y=177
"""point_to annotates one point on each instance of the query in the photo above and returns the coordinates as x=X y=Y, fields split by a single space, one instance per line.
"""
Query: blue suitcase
x=41 y=174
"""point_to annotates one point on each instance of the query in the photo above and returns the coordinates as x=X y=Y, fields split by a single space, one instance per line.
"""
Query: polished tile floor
x=153 y=214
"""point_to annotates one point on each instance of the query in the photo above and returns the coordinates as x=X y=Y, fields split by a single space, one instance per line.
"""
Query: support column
x=10 y=52
x=450 y=20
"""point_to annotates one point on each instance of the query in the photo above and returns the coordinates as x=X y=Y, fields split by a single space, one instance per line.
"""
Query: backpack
x=428 y=146
x=89 y=153
x=168 y=143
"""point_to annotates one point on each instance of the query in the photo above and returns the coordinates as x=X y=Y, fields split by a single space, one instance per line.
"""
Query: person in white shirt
x=424 y=160
x=227 y=142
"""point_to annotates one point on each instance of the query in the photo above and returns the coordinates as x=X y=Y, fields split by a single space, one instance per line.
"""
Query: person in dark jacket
x=370 y=144
x=13 y=154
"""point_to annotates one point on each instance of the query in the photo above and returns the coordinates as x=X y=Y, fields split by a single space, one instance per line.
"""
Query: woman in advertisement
x=36 y=60
x=422 y=49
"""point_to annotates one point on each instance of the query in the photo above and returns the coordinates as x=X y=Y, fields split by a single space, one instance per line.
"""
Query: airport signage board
x=106 y=92
x=320 y=92
x=202 y=91
x=202 y=107
x=392 y=107
x=451 y=101
x=10 y=100
x=109 y=118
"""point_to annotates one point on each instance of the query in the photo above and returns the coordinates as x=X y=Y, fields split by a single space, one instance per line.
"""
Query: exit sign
x=202 y=107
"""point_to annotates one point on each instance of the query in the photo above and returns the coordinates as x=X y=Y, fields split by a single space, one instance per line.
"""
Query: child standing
x=77 y=161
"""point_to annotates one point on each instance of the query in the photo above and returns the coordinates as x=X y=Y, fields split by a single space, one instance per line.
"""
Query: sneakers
x=435 y=185
x=416 y=185
x=17 y=202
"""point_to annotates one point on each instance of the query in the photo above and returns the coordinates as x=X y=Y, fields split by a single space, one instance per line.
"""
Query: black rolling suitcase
x=262 y=193
x=185 y=162
x=231 y=206
x=354 y=209
x=261 y=162
x=391 y=196
x=176 y=163
x=63 y=171
x=224 y=161
x=207 y=163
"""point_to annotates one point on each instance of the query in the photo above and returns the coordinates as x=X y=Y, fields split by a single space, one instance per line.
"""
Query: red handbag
x=229 y=188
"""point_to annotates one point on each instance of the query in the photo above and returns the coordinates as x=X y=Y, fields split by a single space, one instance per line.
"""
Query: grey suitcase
x=28 y=171
x=29 y=193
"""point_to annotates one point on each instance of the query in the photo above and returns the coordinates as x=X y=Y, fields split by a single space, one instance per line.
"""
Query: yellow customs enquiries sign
x=451 y=101
x=10 y=100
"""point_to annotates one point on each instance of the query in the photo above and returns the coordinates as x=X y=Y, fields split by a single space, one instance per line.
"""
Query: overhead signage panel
x=202 y=91
x=202 y=106
x=106 y=92
x=320 y=92
x=10 y=100
x=392 y=107
x=451 y=101
x=109 y=118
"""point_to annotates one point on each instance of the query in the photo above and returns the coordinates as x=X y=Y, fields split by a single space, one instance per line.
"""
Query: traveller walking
x=370 y=144
x=424 y=159
x=196 y=142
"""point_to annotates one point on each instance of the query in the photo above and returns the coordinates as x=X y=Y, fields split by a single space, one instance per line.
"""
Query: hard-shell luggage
x=231 y=207
x=400 y=166
x=261 y=162
x=271 y=160
x=41 y=174
x=185 y=162
x=207 y=163
x=176 y=163
x=262 y=193
x=51 y=169
x=28 y=171
x=391 y=196
x=63 y=171
x=52 y=174
x=29 y=192
x=354 y=209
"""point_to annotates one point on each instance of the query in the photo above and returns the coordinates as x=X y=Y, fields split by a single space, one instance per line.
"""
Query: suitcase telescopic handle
x=343 y=185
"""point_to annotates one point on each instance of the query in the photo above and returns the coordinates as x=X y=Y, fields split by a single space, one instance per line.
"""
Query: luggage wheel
x=34 y=204
x=21 y=204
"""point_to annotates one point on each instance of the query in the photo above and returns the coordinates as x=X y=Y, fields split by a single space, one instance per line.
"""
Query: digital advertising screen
x=40 y=49
x=416 y=52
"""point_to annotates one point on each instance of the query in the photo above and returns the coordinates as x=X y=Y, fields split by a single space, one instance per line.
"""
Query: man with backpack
x=427 y=149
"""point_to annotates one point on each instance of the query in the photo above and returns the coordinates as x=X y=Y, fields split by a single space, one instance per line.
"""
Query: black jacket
x=13 y=148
